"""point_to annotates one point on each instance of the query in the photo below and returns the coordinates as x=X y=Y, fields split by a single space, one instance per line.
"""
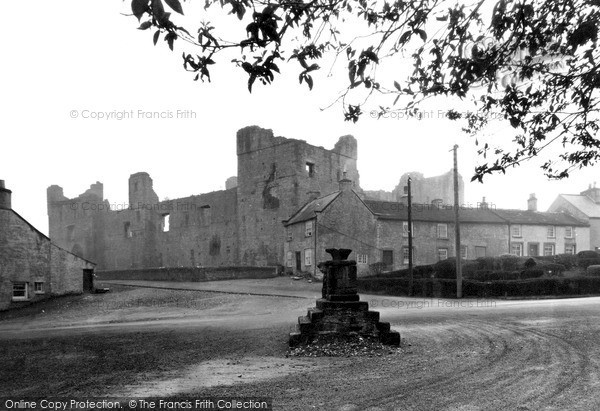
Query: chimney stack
x=345 y=184
x=313 y=195
x=5 y=196
x=532 y=203
x=483 y=203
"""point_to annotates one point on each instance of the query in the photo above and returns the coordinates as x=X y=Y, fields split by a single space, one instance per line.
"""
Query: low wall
x=188 y=274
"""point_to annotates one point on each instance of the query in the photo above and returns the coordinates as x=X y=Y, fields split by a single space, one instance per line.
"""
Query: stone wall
x=189 y=274
x=28 y=256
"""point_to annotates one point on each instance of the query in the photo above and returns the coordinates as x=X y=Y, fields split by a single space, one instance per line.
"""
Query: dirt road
x=465 y=355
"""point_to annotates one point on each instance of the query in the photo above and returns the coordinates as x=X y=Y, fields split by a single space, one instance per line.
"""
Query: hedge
x=593 y=270
x=444 y=288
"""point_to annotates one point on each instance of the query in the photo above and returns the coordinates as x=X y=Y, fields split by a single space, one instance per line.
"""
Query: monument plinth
x=340 y=313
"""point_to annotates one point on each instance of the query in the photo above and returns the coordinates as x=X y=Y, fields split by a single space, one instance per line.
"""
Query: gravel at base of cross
x=351 y=346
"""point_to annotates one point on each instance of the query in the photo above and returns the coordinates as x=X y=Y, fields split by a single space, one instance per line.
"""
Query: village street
x=230 y=338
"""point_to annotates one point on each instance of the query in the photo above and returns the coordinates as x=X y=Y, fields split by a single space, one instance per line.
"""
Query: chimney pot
x=345 y=184
x=532 y=203
x=5 y=196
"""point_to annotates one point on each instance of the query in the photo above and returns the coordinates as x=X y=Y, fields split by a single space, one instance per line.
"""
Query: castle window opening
x=310 y=169
x=127 y=229
x=165 y=223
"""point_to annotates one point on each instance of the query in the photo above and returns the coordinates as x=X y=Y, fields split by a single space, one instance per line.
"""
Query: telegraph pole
x=457 y=227
x=410 y=246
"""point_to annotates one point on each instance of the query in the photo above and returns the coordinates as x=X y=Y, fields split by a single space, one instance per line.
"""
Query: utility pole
x=457 y=227
x=410 y=245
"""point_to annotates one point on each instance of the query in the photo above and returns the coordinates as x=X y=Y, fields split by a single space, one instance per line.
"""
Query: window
x=19 y=291
x=310 y=169
x=549 y=249
x=308 y=229
x=516 y=231
x=570 y=249
x=568 y=232
x=362 y=259
x=289 y=233
x=463 y=252
x=442 y=254
x=405 y=255
x=127 y=229
x=480 y=251
x=289 y=259
x=308 y=256
x=38 y=287
x=388 y=257
x=405 y=229
x=551 y=231
x=165 y=223
x=442 y=230
x=516 y=249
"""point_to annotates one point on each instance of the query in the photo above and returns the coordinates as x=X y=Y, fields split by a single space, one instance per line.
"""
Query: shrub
x=445 y=268
x=587 y=254
x=530 y=263
x=586 y=262
x=377 y=268
x=593 y=270
x=509 y=262
x=551 y=269
x=532 y=273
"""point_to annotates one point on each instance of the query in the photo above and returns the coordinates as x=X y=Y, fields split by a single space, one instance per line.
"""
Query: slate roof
x=309 y=210
x=583 y=203
x=428 y=212
x=539 y=218
x=445 y=214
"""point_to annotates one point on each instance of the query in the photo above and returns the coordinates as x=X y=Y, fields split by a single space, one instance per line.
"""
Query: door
x=298 y=261
x=88 y=281
x=388 y=258
x=533 y=250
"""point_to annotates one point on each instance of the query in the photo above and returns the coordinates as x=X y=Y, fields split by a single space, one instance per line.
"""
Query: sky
x=66 y=62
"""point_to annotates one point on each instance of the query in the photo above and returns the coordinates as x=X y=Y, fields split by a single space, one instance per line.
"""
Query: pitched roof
x=430 y=212
x=309 y=210
x=583 y=203
x=445 y=214
x=539 y=218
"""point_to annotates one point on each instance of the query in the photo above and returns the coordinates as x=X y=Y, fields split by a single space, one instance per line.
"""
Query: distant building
x=31 y=266
x=584 y=206
x=377 y=232
x=424 y=190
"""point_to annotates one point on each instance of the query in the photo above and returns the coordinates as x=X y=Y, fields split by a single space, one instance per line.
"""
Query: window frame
x=553 y=228
x=25 y=285
x=35 y=287
x=439 y=235
x=553 y=245
x=288 y=233
x=445 y=250
x=405 y=229
x=466 y=248
x=573 y=246
x=520 y=246
x=571 y=230
x=512 y=232
x=308 y=228
x=308 y=257
x=289 y=259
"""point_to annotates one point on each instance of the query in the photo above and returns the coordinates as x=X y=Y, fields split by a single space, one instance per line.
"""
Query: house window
x=388 y=257
x=289 y=258
x=308 y=229
x=165 y=223
x=405 y=255
x=38 y=287
x=516 y=231
x=442 y=254
x=308 y=257
x=19 y=292
x=549 y=249
x=289 y=233
x=568 y=232
x=442 y=230
x=463 y=252
x=362 y=259
x=570 y=249
x=516 y=249
x=310 y=169
x=405 y=229
x=551 y=231
x=480 y=251
x=127 y=229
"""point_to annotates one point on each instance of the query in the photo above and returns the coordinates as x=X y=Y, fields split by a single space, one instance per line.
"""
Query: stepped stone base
x=341 y=319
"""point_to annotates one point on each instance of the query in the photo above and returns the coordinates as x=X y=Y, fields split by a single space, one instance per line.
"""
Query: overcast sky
x=76 y=55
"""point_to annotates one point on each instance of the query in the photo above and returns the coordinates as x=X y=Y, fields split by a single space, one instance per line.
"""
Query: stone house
x=377 y=232
x=584 y=206
x=31 y=266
